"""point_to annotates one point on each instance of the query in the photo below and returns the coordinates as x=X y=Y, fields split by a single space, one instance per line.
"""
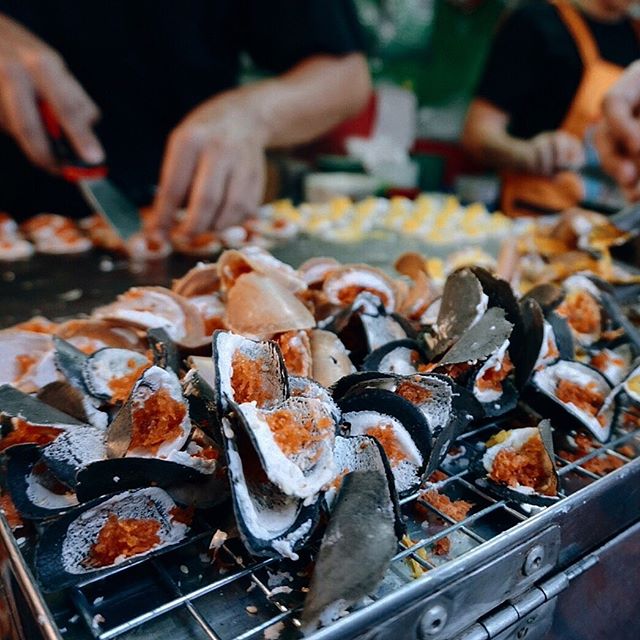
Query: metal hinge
x=528 y=616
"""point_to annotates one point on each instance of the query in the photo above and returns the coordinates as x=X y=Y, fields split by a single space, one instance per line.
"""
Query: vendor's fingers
x=21 y=118
x=568 y=151
x=244 y=192
x=618 y=165
x=207 y=192
x=545 y=154
x=75 y=110
x=619 y=108
x=178 y=168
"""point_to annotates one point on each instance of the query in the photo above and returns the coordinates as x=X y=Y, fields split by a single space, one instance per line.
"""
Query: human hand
x=553 y=151
x=214 y=161
x=618 y=135
x=29 y=70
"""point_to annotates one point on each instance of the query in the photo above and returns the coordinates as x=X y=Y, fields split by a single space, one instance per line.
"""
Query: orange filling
x=581 y=311
x=37 y=326
x=586 y=398
x=529 y=466
x=26 y=433
x=600 y=465
x=294 y=352
x=603 y=360
x=386 y=436
x=492 y=378
x=121 y=387
x=293 y=434
x=123 y=538
x=442 y=546
x=155 y=421
x=24 y=362
x=412 y=392
x=455 y=509
x=249 y=380
x=347 y=295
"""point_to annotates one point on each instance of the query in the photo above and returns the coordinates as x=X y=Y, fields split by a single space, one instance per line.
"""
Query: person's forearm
x=305 y=102
x=499 y=150
x=502 y=151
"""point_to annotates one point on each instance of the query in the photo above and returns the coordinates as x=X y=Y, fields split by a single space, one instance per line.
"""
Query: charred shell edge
x=22 y=459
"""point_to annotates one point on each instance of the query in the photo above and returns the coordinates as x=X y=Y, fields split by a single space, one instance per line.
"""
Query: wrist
x=248 y=109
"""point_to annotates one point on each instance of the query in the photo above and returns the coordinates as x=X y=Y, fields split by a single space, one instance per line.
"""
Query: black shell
x=275 y=370
x=69 y=360
x=105 y=477
x=378 y=461
x=373 y=361
x=72 y=451
x=388 y=403
x=263 y=493
x=165 y=351
x=50 y=569
x=22 y=459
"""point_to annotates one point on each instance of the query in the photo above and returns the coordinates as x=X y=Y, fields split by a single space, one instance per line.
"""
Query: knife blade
x=99 y=192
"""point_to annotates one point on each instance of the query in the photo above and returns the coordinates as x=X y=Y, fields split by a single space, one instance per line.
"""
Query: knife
x=101 y=194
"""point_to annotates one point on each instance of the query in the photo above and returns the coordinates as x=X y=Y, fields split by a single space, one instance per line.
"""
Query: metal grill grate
x=184 y=595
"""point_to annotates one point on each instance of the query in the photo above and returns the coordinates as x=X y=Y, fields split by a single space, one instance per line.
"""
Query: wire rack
x=187 y=594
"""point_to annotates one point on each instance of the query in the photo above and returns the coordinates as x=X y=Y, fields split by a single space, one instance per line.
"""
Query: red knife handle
x=71 y=166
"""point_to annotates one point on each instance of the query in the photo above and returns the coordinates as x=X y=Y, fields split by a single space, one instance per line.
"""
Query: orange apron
x=525 y=194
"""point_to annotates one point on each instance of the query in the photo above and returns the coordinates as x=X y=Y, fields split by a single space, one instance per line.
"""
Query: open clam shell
x=154 y=422
x=462 y=305
x=582 y=308
x=398 y=357
x=247 y=371
x=400 y=427
x=492 y=384
x=33 y=421
x=109 y=374
x=345 y=283
x=366 y=326
x=519 y=465
x=74 y=450
x=65 y=397
x=95 y=537
x=233 y=263
x=614 y=363
x=362 y=453
x=579 y=392
x=330 y=358
x=35 y=492
x=300 y=387
x=270 y=522
x=259 y=306
x=294 y=442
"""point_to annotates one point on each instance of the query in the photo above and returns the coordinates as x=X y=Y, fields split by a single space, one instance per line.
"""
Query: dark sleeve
x=281 y=33
x=515 y=67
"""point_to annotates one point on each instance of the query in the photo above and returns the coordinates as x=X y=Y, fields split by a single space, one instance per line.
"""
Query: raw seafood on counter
x=302 y=402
